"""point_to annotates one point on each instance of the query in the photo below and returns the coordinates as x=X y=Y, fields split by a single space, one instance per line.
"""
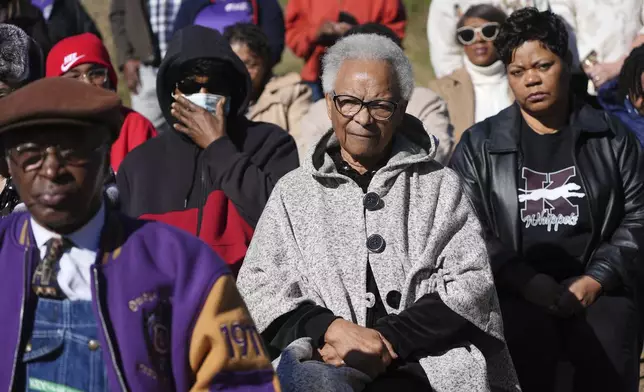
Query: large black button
x=371 y=201
x=393 y=299
x=376 y=243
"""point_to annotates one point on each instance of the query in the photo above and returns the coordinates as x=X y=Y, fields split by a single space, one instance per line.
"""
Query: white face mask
x=207 y=101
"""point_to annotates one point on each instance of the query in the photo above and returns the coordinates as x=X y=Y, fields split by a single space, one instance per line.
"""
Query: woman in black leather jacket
x=559 y=189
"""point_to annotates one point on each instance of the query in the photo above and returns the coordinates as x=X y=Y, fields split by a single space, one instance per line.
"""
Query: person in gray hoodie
x=369 y=258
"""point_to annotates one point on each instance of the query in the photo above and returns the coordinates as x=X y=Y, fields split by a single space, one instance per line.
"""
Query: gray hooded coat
x=309 y=245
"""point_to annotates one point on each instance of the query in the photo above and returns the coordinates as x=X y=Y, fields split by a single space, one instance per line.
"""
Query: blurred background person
x=65 y=18
x=28 y=17
x=280 y=100
x=141 y=31
x=21 y=62
x=85 y=58
x=624 y=96
x=604 y=33
x=446 y=52
x=424 y=104
x=267 y=14
x=313 y=25
x=559 y=189
x=479 y=89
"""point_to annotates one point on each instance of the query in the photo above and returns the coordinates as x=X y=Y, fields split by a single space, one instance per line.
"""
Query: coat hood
x=411 y=145
x=197 y=42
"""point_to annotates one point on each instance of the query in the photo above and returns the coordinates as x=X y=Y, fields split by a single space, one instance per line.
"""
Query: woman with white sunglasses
x=480 y=88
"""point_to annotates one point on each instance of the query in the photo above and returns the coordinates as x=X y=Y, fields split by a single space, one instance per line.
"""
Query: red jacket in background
x=136 y=129
x=304 y=18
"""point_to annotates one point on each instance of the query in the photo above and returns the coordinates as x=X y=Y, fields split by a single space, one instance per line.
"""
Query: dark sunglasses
x=467 y=35
x=191 y=86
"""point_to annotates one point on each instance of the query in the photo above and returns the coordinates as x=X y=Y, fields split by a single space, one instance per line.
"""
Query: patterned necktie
x=44 y=281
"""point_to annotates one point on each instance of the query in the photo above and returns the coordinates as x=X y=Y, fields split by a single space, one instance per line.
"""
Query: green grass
x=415 y=42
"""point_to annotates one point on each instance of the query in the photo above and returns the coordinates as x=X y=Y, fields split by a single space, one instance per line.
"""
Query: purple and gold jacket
x=169 y=314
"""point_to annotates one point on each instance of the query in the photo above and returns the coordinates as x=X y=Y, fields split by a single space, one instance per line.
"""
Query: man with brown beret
x=92 y=300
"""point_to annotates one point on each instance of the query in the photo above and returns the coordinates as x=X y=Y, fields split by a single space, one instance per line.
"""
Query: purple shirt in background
x=224 y=13
x=45 y=6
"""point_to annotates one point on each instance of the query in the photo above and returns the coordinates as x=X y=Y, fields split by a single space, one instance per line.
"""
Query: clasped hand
x=361 y=348
x=564 y=300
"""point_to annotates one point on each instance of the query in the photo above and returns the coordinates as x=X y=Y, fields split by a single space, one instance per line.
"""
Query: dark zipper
x=110 y=346
x=22 y=314
x=202 y=201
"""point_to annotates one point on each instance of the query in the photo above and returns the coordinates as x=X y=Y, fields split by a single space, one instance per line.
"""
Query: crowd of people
x=340 y=229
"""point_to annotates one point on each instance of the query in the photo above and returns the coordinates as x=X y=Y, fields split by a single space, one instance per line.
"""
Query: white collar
x=87 y=237
x=490 y=74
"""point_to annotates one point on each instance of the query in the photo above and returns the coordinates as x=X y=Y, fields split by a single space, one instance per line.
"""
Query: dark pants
x=601 y=346
x=408 y=378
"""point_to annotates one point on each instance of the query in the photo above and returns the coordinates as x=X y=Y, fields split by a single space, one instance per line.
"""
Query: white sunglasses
x=467 y=34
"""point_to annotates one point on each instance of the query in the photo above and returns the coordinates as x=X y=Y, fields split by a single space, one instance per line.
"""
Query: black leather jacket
x=611 y=166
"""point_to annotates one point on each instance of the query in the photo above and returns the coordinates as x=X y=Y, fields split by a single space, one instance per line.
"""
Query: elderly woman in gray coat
x=368 y=263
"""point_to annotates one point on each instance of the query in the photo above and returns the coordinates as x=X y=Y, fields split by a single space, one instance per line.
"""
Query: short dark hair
x=375 y=28
x=528 y=24
x=483 y=11
x=630 y=77
x=253 y=37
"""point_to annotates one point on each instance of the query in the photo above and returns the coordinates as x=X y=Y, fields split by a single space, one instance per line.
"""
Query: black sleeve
x=248 y=181
x=509 y=270
x=617 y=259
x=307 y=320
x=85 y=22
x=430 y=327
x=123 y=187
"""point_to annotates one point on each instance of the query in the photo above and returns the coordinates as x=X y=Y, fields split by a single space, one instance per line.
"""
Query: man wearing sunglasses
x=92 y=300
x=85 y=58
x=213 y=174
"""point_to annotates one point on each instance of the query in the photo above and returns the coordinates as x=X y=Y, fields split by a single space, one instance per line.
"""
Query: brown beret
x=60 y=101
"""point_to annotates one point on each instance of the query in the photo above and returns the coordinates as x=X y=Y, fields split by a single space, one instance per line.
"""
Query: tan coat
x=424 y=104
x=458 y=91
x=284 y=101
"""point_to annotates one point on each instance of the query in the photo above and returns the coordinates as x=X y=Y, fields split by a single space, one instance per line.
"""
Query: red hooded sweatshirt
x=88 y=48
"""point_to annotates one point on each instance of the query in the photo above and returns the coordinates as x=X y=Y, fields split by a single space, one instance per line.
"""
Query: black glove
x=543 y=291
x=568 y=305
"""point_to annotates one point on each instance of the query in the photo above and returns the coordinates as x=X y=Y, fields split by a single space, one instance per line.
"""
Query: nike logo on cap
x=69 y=61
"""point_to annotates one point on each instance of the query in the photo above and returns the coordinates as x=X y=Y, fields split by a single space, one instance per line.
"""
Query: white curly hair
x=368 y=47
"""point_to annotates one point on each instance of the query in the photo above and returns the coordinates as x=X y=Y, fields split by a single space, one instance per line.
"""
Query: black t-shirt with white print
x=553 y=206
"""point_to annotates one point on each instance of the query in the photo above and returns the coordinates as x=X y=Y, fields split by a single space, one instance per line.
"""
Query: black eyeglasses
x=30 y=157
x=191 y=86
x=349 y=106
x=467 y=34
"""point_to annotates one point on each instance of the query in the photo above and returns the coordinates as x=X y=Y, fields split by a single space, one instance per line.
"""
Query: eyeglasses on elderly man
x=368 y=269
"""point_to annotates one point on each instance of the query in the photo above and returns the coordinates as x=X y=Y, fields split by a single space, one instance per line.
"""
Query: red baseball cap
x=79 y=49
